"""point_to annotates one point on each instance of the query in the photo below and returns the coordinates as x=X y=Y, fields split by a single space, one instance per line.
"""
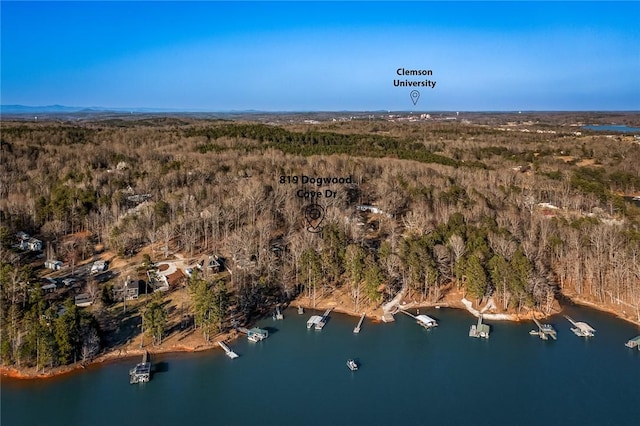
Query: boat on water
x=353 y=366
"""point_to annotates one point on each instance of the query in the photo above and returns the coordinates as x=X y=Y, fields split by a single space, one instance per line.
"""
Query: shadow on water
x=271 y=330
x=161 y=367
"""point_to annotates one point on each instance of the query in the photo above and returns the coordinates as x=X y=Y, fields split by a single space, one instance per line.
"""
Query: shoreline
x=583 y=302
x=121 y=353
x=115 y=354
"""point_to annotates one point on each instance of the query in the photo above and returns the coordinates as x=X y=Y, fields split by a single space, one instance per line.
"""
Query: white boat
x=353 y=366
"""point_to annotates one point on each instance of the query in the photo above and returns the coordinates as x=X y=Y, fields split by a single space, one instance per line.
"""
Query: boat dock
x=544 y=331
x=141 y=373
x=357 y=329
x=422 y=320
x=426 y=321
x=633 y=343
x=479 y=329
x=278 y=314
x=323 y=320
x=313 y=321
x=231 y=354
x=255 y=334
x=581 y=329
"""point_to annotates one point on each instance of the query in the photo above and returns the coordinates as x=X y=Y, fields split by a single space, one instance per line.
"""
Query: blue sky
x=309 y=56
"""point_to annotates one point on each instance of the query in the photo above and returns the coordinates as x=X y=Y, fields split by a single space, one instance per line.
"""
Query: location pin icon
x=415 y=95
x=314 y=214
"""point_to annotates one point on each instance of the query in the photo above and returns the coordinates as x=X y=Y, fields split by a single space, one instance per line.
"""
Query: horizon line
x=150 y=110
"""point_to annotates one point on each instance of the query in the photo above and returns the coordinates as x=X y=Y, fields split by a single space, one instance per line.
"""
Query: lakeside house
x=157 y=281
x=129 y=291
x=28 y=243
x=371 y=209
x=49 y=285
x=54 y=265
x=213 y=264
x=98 y=266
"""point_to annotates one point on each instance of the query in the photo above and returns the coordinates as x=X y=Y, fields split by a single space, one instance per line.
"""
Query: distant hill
x=56 y=109
x=23 y=109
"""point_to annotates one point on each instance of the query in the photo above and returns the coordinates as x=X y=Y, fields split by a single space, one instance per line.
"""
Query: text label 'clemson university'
x=413 y=83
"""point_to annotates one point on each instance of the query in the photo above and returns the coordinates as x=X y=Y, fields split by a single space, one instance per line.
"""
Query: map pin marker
x=314 y=214
x=415 y=95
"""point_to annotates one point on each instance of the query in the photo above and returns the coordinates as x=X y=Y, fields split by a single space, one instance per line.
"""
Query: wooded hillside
x=517 y=216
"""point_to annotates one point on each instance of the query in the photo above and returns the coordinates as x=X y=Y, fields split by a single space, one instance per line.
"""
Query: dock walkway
x=544 y=331
x=581 y=329
x=357 y=329
x=231 y=354
x=323 y=321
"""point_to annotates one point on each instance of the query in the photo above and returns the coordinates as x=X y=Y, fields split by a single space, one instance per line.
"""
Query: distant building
x=25 y=242
x=157 y=281
x=214 y=264
x=54 y=265
x=129 y=291
x=49 y=285
x=98 y=266
x=34 y=244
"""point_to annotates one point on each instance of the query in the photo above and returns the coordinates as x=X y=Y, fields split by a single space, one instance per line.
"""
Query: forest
x=525 y=218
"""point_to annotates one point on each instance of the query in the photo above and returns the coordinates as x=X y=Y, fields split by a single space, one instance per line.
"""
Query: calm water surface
x=611 y=128
x=407 y=375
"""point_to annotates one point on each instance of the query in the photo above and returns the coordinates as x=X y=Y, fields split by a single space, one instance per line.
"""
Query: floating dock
x=231 y=354
x=633 y=343
x=278 y=315
x=141 y=373
x=422 y=320
x=357 y=329
x=426 y=321
x=255 y=334
x=581 y=329
x=480 y=329
x=313 y=321
x=544 y=331
x=323 y=321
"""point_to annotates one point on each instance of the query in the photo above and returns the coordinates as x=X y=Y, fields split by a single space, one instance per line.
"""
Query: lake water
x=612 y=128
x=407 y=375
x=632 y=201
